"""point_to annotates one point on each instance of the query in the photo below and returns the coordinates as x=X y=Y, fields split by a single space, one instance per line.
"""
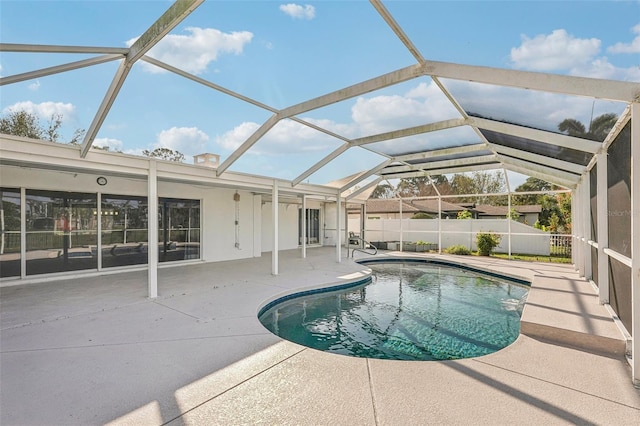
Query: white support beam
x=207 y=83
x=540 y=159
x=401 y=230
x=226 y=91
x=360 y=190
x=506 y=178
x=320 y=164
x=443 y=171
x=442 y=152
x=612 y=90
x=45 y=48
x=439 y=223
x=23 y=233
x=59 y=68
x=361 y=88
x=575 y=221
x=105 y=106
x=172 y=17
x=397 y=29
x=579 y=229
x=410 y=131
x=635 y=241
x=586 y=226
x=275 y=212
x=338 y=226
x=262 y=130
x=304 y=226
x=603 y=229
x=548 y=171
x=542 y=136
x=365 y=175
x=442 y=164
x=539 y=175
x=161 y=27
x=152 y=240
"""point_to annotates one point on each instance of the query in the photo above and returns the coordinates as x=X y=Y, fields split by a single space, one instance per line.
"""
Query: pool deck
x=98 y=351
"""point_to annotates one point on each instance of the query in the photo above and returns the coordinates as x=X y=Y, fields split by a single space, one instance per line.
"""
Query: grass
x=534 y=258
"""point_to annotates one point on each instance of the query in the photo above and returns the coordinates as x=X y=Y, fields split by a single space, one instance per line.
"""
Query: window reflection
x=61 y=231
x=10 y=232
x=124 y=230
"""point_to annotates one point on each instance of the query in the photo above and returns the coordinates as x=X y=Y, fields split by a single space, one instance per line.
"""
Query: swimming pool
x=408 y=310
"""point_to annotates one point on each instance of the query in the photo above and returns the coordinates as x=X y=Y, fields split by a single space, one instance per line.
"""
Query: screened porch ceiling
x=481 y=118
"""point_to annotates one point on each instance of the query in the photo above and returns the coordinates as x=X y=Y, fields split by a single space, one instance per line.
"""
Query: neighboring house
x=527 y=214
x=448 y=210
x=379 y=208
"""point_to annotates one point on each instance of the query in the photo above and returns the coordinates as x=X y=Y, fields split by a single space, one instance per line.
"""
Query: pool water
x=409 y=311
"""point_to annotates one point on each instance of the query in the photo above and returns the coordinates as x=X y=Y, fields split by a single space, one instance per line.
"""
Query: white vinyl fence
x=524 y=239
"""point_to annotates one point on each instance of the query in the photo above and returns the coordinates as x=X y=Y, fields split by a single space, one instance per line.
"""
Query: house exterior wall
x=287 y=226
x=218 y=208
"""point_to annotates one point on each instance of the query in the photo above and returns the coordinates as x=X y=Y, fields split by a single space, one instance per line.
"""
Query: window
x=10 y=232
x=179 y=229
x=61 y=231
x=124 y=230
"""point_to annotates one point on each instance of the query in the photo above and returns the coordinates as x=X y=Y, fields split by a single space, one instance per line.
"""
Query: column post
x=603 y=229
x=635 y=241
x=152 y=240
x=275 y=210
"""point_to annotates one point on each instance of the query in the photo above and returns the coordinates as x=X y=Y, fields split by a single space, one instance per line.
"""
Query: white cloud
x=633 y=47
x=188 y=140
x=232 y=139
x=194 y=51
x=424 y=103
x=112 y=144
x=556 y=51
x=285 y=137
x=299 y=12
x=34 y=86
x=560 y=51
x=44 y=109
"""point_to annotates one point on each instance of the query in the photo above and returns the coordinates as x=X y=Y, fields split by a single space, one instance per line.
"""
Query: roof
x=381 y=205
x=431 y=206
x=489 y=210
x=485 y=120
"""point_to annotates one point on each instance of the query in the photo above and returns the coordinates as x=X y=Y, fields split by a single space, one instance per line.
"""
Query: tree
x=414 y=187
x=598 y=130
x=26 y=124
x=165 y=154
x=383 y=190
x=475 y=185
x=513 y=214
x=558 y=205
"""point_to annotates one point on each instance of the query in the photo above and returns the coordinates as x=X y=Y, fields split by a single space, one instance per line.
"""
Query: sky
x=280 y=54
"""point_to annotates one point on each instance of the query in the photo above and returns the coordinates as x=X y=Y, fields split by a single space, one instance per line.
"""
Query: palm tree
x=598 y=130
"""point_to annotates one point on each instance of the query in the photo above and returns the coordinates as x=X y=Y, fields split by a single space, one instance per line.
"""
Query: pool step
x=567 y=312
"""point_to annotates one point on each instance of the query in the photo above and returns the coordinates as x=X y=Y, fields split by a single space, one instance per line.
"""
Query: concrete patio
x=96 y=350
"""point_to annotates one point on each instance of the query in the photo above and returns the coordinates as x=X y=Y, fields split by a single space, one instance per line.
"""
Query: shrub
x=422 y=215
x=487 y=242
x=465 y=214
x=458 y=249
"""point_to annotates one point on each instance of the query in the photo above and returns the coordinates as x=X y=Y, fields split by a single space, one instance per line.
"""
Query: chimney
x=207 y=160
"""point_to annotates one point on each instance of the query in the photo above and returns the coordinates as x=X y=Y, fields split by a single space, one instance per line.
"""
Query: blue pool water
x=409 y=311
